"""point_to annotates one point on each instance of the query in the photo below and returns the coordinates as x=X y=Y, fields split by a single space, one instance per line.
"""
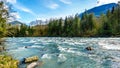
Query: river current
x=57 y=52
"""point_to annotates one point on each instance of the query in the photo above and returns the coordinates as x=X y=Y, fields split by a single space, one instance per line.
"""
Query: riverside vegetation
x=5 y=61
x=8 y=62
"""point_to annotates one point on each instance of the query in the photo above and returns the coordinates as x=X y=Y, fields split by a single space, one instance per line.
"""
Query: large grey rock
x=35 y=64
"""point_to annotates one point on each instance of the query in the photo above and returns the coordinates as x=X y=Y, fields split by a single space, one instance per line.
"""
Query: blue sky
x=30 y=10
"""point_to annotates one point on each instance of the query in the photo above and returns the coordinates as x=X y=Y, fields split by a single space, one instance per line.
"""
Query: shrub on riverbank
x=8 y=62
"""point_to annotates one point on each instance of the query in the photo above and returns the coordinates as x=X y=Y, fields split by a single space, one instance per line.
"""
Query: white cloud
x=11 y=1
x=66 y=1
x=22 y=8
x=15 y=14
x=53 y=6
x=101 y=2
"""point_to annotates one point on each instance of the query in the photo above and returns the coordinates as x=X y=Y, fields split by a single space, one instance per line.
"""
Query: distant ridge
x=15 y=23
x=100 y=9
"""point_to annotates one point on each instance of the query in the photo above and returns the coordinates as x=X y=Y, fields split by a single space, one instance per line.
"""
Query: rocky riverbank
x=2 y=47
x=6 y=61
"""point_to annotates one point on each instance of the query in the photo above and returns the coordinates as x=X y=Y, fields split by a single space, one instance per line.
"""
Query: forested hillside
x=88 y=25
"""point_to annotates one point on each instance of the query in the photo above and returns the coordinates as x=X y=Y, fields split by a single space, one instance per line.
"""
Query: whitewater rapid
x=57 y=52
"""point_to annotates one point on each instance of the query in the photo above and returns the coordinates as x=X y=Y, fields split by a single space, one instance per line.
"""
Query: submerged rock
x=35 y=64
x=89 y=48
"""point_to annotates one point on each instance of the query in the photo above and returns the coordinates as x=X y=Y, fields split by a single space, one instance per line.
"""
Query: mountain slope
x=15 y=23
x=100 y=9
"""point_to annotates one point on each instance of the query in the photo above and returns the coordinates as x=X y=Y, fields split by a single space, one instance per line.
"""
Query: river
x=57 y=52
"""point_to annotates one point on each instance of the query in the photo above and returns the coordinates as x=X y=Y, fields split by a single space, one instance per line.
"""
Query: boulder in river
x=89 y=48
x=31 y=59
x=35 y=64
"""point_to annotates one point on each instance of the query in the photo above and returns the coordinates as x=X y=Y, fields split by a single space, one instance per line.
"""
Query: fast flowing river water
x=57 y=52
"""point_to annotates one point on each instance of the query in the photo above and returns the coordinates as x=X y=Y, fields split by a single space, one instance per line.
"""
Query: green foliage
x=67 y=27
x=39 y=30
x=20 y=31
x=8 y=62
x=88 y=25
x=3 y=19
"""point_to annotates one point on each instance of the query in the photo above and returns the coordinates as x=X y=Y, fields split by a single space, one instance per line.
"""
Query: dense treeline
x=88 y=25
x=19 y=31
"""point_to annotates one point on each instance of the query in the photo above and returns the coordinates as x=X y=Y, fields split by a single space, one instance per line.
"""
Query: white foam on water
x=37 y=43
x=71 y=43
x=62 y=49
x=110 y=45
x=31 y=41
x=36 y=46
x=70 y=50
x=46 y=56
x=116 y=59
x=79 y=43
x=19 y=49
x=75 y=52
x=61 y=58
x=22 y=47
x=115 y=65
x=26 y=42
